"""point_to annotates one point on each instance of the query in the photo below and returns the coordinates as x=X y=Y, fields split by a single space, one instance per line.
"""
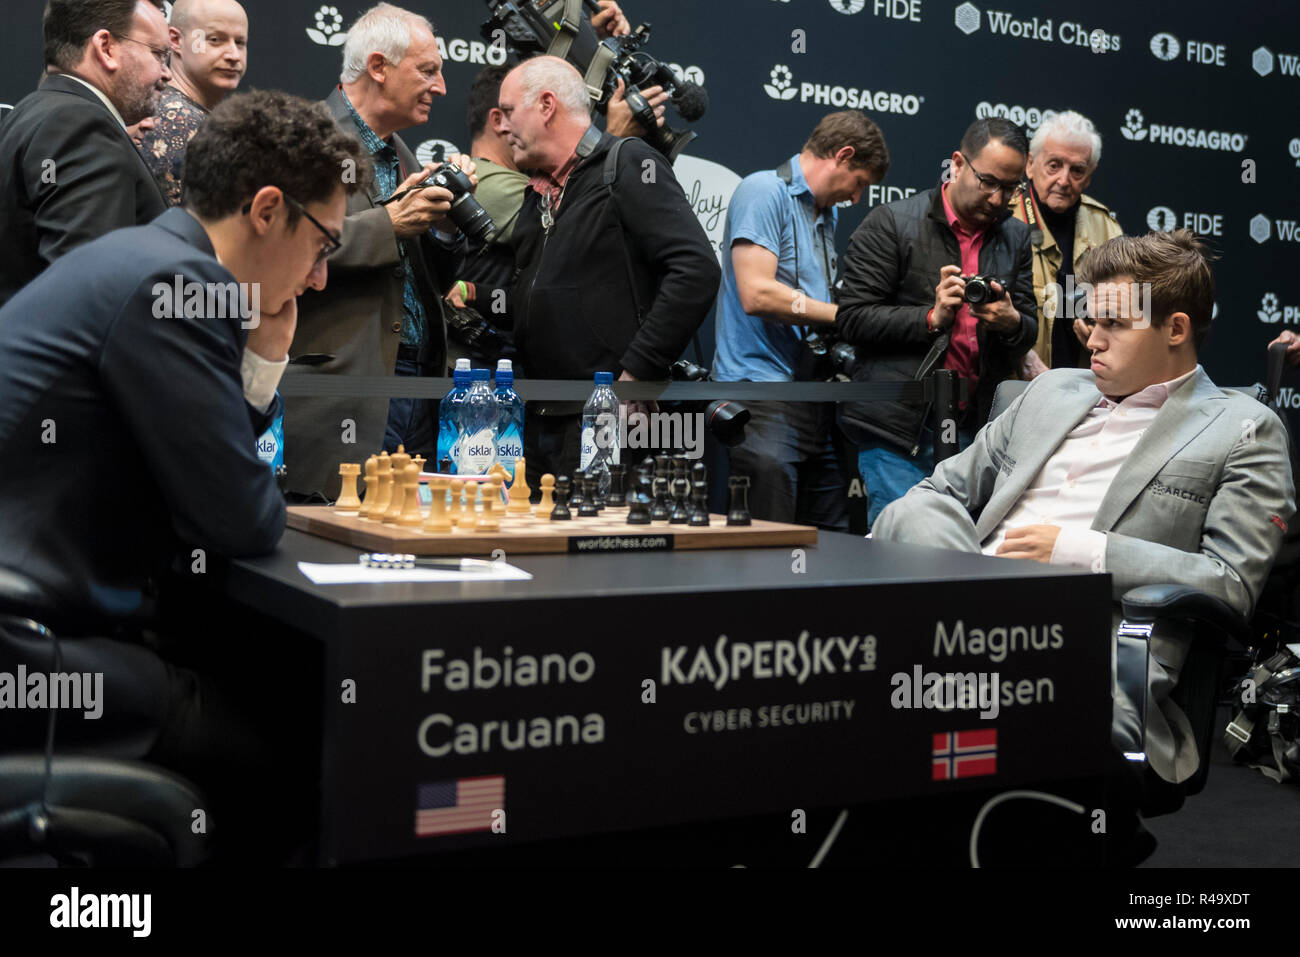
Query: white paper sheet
x=353 y=574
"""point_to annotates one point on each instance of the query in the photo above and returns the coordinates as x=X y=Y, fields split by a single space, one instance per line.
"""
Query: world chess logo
x=328 y=31
x=1262 y=61
x=1260 y=228
x=1162 y=219
x=782 y=85
x=848 y=6
x=967 y=18
x=1269 y=309
x=1165 y=46
x=435 y=151
x=1134 y=123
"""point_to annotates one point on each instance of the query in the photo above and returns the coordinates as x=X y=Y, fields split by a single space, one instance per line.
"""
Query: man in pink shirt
x=1139 y=467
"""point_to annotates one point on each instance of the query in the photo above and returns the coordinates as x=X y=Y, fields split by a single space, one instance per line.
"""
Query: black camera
x=537 y=26
x=484 y=341
x=466 y=212
x=725 y=418
x=979 y=289
x=825 y=357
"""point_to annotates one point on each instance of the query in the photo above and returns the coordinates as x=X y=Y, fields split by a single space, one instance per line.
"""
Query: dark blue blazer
x=124 y=436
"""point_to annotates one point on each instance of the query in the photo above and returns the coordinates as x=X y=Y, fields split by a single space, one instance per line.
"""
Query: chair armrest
x=1152 y=602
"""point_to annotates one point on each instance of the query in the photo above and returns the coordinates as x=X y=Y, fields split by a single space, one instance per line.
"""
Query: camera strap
x=1031 y=218
x=608 y=177
x=567 y=30
x=785 y=172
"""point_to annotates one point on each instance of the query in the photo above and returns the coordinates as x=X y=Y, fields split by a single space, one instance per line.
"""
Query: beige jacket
x=1094 y=225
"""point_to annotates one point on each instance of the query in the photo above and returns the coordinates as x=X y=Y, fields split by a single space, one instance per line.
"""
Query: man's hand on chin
x=1035 y=542
x=272 y=333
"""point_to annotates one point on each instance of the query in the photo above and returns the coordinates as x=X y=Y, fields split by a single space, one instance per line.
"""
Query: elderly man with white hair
x=1064 y=223
x=382 y=312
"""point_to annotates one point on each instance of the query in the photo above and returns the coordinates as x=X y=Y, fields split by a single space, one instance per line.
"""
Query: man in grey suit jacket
x=1140 y=467
x=382 y=311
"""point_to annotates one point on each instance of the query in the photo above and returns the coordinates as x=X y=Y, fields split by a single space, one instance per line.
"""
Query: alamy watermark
x=181 y=299
x=1107 y=300
x=946 y=691
x=652 y=430
x=76 y=691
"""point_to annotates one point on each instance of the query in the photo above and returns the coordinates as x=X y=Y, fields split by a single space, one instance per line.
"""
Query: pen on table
x=382 y=560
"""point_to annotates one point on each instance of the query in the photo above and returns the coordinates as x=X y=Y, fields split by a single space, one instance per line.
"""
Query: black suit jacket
x=124 y=433
x=69 y=173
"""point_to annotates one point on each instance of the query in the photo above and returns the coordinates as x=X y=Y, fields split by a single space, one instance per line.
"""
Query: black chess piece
x=587 y=507
x=664 y=466
x=659 y=510
x=699 y=473
x=561 y=513
x=681 y=513
x=699 y=504
x=617 y=497
x=638 y=512
x=738 y=513
x=575 y=497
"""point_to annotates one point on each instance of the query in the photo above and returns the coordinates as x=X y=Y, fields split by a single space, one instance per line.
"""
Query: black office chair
x=73 y=789
x=1210 y=623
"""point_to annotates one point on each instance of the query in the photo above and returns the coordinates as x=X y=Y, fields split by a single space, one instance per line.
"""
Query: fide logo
x=1162 y=219
x=328 y=31
x=1165 y=46
x=848 y=6
x=435 y=151
x=1133 y=128
x=782 y=85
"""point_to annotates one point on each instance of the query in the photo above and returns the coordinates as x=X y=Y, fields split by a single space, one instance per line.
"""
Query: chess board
x=527 y=534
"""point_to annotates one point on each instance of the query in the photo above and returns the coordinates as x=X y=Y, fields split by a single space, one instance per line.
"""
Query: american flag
x=460 y=806
x=964 y=754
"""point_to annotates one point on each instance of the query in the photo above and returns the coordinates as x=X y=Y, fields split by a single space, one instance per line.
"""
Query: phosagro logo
x=1027 y=116
x=472 y=51
x=1135 y=129
x=782 y=88
x=1288 y=64
x=435 y=151
x=966 y=18
x=1269 y=309
x=1261 y=229
x=1162 y=219
x=328 y=31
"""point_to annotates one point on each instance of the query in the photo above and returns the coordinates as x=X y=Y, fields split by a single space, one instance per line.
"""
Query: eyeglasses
x=163 y=56
x=989 y=185
x=333 y=243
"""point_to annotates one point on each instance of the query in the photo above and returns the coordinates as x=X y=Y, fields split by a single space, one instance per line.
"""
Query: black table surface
x=274 y=583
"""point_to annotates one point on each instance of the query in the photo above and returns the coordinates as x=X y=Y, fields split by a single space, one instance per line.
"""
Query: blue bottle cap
x=604 y=378
x=482 y=375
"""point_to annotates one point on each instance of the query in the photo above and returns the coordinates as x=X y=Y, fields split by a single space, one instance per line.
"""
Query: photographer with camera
x=940 y=280
x=778 y=265
x=382 y=312
x=615 y=272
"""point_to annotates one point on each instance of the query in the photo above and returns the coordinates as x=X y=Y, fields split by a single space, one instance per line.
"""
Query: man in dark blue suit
x=138 y=370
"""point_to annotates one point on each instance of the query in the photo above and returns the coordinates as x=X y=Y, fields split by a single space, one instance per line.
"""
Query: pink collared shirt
x=1070 y=486
x=963 y=354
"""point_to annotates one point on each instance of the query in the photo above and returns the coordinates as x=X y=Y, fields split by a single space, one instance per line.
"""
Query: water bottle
x=510 y=422
x=270 y=444
x=448 y=411
x=477 y=428
x=600 y=438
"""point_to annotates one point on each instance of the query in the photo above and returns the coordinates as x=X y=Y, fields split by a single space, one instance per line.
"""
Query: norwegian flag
x=964 y=754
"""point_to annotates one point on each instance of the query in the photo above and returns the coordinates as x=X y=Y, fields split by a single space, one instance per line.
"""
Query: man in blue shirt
x=777 y=269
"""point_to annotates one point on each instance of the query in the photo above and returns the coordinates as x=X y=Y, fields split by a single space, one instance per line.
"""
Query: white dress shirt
x=1070 y=486
x=99 y=93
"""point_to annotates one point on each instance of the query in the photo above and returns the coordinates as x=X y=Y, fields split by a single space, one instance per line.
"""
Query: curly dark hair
x=269 y=138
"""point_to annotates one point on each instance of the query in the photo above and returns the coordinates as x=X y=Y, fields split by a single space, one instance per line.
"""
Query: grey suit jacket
x=353 y=327
x=1203 y=500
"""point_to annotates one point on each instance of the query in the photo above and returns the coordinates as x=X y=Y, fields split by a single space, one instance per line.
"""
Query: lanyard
x=1027 y=207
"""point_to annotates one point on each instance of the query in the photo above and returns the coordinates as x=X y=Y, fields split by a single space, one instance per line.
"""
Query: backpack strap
x=608 y=177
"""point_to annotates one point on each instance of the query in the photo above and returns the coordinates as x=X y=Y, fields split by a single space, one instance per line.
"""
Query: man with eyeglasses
x=901 y=304
x=137 y=373
x=208 y=55
x=69 y=171
x=382 y=315
x=1064 y=223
